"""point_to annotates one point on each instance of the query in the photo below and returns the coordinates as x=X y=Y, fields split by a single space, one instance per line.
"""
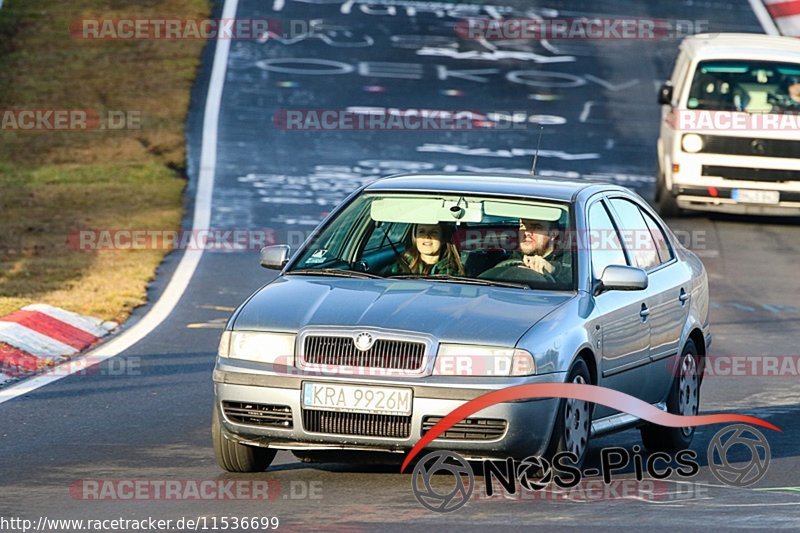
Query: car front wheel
x=683 y=399
x=573 y=420
x=235 y=457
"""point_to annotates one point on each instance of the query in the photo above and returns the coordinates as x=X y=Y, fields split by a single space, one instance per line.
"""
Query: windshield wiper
x=463 y=279
x=334 y=272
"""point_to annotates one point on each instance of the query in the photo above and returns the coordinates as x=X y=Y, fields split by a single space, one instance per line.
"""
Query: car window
x=664 y=252
x=604 y=240
x=385 y=235
x=636 y=234
x=430 y=235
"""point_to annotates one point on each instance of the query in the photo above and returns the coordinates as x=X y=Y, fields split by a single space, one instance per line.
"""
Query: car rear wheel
x=573 y=420
x=235 y=457
x=683 y=399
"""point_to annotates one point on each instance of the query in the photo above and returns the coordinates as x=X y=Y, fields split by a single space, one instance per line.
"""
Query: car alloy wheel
x=577 y=422
x=689 y=389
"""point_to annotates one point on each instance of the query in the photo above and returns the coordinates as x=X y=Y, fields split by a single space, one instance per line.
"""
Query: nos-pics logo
x=443 y=481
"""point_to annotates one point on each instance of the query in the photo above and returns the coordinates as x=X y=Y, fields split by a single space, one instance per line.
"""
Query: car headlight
x=692 y=143
x=275 y=348
x=473 y=360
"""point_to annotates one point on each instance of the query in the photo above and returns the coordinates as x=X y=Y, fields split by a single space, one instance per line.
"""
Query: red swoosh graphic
x=590 y=393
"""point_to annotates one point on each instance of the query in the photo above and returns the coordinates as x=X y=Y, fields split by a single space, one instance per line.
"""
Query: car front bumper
x=528 y=429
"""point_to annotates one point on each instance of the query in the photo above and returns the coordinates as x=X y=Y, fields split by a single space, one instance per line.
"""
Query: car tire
x=683 y=399
x=235 y=457
x=573 y=425
x=665 y=201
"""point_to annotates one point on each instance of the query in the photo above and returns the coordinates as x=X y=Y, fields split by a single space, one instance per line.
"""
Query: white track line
x=188 y=264
x=764 y=17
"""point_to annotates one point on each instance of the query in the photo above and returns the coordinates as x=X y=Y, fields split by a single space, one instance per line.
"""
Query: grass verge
x=53 y=183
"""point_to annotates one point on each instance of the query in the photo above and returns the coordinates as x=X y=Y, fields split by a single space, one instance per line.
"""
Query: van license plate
x=749 y=196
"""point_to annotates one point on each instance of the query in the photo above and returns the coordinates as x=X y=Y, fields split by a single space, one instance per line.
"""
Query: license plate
x=357 y=399
x=748 y=196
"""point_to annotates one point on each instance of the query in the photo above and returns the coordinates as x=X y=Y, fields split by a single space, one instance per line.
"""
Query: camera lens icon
x=453 y=490
x=732 y=441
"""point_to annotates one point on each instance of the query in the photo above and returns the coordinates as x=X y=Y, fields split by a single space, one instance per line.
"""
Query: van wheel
x=573 y=419
x=235 y=457
x=683 y=399
x=666 y=203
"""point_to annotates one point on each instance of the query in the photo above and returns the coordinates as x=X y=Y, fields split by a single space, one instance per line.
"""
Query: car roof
x=560 y=189
x=741 y=45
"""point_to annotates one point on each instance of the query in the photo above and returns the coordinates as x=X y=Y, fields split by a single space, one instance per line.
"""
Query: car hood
x=451 y=312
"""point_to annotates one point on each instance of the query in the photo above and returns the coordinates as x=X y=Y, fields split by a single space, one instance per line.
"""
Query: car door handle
x=644 y=313
x=683 y=297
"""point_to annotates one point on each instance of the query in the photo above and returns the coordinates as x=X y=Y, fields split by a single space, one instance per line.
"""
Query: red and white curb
x=39 y=336
x=786 y=14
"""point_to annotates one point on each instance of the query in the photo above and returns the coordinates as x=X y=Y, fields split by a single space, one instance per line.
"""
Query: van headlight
x=692 y=143
x=274 y=348
x=489 y=361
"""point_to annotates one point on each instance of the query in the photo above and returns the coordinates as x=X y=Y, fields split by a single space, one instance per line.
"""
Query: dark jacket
x=443 y=266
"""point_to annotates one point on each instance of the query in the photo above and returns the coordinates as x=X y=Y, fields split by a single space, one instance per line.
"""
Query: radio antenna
x=536 y=155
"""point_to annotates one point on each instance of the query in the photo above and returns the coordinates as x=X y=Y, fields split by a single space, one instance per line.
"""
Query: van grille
x=751 y=174
x=719 y=144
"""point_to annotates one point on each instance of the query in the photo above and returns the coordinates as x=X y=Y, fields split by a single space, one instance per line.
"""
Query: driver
x=539 y=254
x=789 y=97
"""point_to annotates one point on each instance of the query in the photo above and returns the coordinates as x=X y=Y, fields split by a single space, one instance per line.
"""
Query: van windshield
x=749 y=86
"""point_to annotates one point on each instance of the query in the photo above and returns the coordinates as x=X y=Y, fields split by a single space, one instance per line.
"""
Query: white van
x=730 y=128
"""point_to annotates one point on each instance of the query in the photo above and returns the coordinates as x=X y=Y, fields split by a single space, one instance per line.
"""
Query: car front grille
x=469 y=429
x=751 y=174
x=719 y=144
x=255 y=414
x=384 y=353
x=363 y=424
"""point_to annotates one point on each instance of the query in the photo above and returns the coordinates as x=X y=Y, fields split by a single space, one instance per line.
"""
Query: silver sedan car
x=420 y=293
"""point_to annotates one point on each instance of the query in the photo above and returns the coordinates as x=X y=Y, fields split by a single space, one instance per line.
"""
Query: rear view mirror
x=275 y=257
x=665 y=94
x=623 y=278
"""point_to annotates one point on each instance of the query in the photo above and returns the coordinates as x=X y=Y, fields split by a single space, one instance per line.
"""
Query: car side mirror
x=275 y=257
x=623 y=278
x=665 y=94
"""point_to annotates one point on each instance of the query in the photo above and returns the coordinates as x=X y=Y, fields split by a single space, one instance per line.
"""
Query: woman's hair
x=448 y=251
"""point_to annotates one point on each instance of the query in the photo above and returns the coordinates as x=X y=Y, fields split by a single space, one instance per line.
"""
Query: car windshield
x=446 y=238
x=749 y=86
